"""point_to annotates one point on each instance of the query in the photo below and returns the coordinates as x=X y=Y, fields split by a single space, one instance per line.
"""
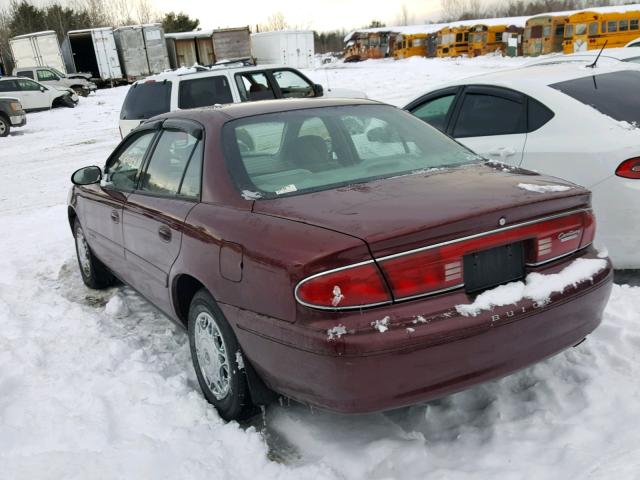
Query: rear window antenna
x=593 y=65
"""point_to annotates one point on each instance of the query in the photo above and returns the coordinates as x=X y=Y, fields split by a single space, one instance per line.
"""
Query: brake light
x=352 y=287
x=629 y=168
x=438 y=268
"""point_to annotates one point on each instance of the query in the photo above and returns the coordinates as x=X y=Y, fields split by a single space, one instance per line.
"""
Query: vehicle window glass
x=568 y=31
x=385 y=143
x=292 y=85
x=57 y=72
x=203 y=92
x=613 y=94
x=122 y=171
x=28 y=85
x=168 y=163
x=546 y=31
x=45 y=75
x=581 y=28
x=612 y=26
x=593 y=28
x=498 y=36
x=634 y=24
x=435 y=111
x=458 y=37
x=8 y=86
x=146 y=100
x=538 y=115
x=483 y=115
x=254 y=86
x=559 y=30
x=192 y=177
x=26 y=74
x=624 y=25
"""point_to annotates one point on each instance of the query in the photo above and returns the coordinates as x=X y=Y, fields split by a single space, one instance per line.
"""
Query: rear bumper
x=415 y=360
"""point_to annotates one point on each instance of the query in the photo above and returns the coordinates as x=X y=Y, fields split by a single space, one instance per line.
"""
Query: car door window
x=192 y=180
x=168 y=163
x=28 y=85
x=46 y=75
x=254 y=86
x=26 y=74
x=435 y=111
x=122 y=171
x=292 y=85
x=203 y=92
x=484 y=115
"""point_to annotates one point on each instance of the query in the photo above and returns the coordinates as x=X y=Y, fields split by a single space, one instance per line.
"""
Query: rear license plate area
x=496 y=266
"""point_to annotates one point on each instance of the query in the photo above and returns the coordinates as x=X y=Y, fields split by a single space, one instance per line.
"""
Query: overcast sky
x=314 y=14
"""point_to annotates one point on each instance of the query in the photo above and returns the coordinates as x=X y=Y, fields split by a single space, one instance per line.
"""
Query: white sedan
x=562 y=119
x=35 y=96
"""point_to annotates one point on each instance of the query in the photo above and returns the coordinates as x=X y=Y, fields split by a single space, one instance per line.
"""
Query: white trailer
x=294 y=48
x=40 y=49
x=94 y=50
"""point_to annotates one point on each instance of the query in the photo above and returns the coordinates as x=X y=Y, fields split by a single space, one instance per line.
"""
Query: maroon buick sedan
x=339 y=252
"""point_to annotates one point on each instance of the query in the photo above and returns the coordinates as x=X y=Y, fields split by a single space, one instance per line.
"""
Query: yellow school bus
x=453 y=41
x=589 y=30
x=485 y=39
x=543 y=34
x=411 y=45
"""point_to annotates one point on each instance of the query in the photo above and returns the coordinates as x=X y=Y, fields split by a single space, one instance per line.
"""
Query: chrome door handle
x=164 y=233
x=115 y=216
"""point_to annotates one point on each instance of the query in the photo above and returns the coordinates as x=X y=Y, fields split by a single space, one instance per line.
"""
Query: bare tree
x=145 y=12
x=275 y=22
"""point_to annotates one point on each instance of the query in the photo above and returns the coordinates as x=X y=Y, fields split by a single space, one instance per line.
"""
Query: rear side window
x=613 y=94
x=8 y=86
x=26 y=74
x=146 y=100
x=484 y=115
x=254 y=86
x=537 y=114
x=204 y=92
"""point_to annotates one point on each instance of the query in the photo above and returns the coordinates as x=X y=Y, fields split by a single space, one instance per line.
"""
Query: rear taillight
x=438 y=268
x=352 y=287
x=629 y=168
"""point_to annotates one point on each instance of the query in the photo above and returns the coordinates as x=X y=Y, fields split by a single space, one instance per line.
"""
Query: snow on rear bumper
x=421 y=356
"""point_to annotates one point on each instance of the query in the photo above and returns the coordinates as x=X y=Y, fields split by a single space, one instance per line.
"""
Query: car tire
x=81 y=91
x=216 y=357
x=94 y=273
x=5 y=127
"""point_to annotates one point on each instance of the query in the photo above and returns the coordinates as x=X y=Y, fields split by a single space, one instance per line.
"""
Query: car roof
x=234 y=111
x=622 y=54
x=185 y=73
x=532 y=77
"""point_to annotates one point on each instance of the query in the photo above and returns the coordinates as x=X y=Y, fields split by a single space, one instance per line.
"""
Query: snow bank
x=543 y=188
x=537 y=287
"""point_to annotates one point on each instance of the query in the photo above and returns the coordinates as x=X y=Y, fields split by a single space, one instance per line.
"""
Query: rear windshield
x=613 y=94
x=293 y=152
x=146 y=100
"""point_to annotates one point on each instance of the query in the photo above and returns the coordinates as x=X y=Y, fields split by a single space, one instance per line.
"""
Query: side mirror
x=318 y=90
x=86 y=176
x=42 y=89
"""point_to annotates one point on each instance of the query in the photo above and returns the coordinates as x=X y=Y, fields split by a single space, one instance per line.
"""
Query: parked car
x=562 y=119
x=50 y=76
x=202 y=87
x=11 y=115
x=314 y=247
x=34 y=96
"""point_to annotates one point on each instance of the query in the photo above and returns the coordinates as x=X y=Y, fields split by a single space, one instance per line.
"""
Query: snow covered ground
x=99 y=385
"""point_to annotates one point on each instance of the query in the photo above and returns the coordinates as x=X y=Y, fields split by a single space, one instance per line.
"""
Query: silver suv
x=202 y=87
x=55 y=78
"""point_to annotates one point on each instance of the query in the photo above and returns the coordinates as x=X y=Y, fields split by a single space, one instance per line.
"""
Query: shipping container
x=207 y=47
x=156 y=47
x=294 y=48
x=94 y=50
x=131 y=52
x=40 y=49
